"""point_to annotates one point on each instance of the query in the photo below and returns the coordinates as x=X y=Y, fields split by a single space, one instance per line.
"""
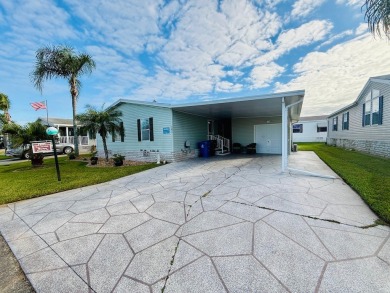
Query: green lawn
x=367 y=175
x=22 y=181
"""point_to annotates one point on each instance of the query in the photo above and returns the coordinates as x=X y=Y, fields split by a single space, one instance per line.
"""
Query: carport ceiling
x=248 y=107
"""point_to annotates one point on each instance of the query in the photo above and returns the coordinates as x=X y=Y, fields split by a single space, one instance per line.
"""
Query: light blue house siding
x=170 y=131
x=188 y=128
x=144 y=149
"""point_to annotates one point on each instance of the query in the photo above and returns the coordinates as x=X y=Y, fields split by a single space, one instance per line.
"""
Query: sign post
x=52 y=131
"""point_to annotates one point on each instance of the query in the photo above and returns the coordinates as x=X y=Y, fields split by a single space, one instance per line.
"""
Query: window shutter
x=347 y=126
x=380 y=110
x=139 y=129
x=364 y=114
x=113 y=135
x=342 y=122
x=122 y=131
x=337 y=122
x=151 y=129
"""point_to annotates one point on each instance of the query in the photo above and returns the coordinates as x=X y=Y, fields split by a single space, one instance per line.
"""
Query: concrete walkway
x=231 y=224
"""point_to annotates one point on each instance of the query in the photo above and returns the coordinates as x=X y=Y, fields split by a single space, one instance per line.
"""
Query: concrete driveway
x=231 y=224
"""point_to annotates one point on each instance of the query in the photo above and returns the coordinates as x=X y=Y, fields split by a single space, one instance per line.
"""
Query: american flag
x=38 y=105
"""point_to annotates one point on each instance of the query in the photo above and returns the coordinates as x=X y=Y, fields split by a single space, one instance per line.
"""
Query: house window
x=373 y=108
x=335 y=122
x=322 y=128
x=145 y=129
x=122 y=131
x=345 y=121
x=115 y=131
x=113 y=134
x=297 y=128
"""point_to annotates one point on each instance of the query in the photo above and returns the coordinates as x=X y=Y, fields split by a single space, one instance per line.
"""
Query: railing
x=222 y=142
x=83 y=140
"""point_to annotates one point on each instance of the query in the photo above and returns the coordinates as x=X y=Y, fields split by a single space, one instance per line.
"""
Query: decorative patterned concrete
x=230 y=224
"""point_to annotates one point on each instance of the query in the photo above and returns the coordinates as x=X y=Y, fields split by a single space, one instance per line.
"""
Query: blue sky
x=186 y=51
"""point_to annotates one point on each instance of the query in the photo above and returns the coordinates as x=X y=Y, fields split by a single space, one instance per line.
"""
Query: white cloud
x=335 y=38
x=330 y=86
x=302 y=8
x=126 y=25
x=306 y=34
x=261 y=76
x=350 y=2
x=361 y=29
x=225 y=86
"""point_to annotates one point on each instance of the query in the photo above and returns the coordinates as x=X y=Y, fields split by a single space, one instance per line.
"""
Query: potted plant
x=36 y=159
x=118 y=159
x=94 y=158
x=71 y=156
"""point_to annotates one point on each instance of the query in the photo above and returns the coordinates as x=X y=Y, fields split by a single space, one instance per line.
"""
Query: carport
x=264 y=119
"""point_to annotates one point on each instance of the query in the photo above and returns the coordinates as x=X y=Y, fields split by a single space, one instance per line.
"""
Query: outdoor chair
x=236 y=148
x=251 y=148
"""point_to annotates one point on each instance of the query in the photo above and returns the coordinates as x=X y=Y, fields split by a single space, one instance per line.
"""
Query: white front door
x=268 y=138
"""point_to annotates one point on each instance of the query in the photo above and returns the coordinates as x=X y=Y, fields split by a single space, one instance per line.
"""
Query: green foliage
x=71 y=156
x=21 y=135
x=118 y=158
x=377 y=15
x=103 y=121
x=22 y=181
x=366 y=174
x=62 y=62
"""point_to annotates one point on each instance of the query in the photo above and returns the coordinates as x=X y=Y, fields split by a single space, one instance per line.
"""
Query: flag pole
x=47 y=113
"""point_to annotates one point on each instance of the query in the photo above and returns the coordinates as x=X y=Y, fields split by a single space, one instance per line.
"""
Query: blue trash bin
x=204 y=149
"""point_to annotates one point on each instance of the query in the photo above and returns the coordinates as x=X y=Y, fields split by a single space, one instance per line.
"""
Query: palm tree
x=5 y=104
x=5 y=118
x=104 y=122
x=377 y=16
x=63 y=62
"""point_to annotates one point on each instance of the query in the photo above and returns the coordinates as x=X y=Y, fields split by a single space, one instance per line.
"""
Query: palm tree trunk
x=105 y=147
x=73 y=92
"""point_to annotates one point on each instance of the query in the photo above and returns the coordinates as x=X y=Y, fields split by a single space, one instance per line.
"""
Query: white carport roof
x=246 y=107
x=269 y=105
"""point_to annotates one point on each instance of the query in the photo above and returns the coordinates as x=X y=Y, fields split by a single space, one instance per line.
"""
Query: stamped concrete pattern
x=224 y=224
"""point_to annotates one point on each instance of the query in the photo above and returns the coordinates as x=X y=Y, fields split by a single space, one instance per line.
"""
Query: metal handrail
x=222 y=142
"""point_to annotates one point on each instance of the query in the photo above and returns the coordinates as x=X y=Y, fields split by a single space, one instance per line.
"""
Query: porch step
x=219 y=153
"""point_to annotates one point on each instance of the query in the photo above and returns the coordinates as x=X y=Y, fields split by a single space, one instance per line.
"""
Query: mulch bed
x=102 y=162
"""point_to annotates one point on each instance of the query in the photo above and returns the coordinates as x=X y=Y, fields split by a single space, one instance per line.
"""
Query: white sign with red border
x=42 y=147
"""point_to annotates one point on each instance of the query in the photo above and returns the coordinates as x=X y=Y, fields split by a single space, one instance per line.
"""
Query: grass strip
x=368 y=175
x=21 y=181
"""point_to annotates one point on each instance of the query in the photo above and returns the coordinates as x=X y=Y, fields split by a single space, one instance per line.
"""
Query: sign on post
x=42 y=147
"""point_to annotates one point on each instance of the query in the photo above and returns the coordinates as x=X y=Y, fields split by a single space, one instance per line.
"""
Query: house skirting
x=150 y=156
x=378 y=148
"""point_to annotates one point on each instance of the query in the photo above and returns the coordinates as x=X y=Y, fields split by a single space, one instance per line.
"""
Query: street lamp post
x=52 y=131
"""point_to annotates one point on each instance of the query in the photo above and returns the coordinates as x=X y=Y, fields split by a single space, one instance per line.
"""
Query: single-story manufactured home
x=310 y=129
x=172 y=132
x=364 y=125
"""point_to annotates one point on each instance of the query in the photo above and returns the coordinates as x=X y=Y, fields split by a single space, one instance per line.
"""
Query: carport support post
x=284 y=136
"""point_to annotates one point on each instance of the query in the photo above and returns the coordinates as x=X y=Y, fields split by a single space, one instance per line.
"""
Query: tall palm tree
x=104 y=122
x=377 y=16
x=63 y=62
x=5 y=118
x=5 y=104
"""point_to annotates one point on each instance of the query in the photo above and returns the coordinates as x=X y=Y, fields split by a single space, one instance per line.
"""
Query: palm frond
x=377 y=15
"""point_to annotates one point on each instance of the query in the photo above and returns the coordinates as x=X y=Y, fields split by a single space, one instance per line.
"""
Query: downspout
x=284 y=144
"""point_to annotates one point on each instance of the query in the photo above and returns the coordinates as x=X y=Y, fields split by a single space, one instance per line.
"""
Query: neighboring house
x=310 y=129
x=66 y=134
x=365 y=124
x=174 y=131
